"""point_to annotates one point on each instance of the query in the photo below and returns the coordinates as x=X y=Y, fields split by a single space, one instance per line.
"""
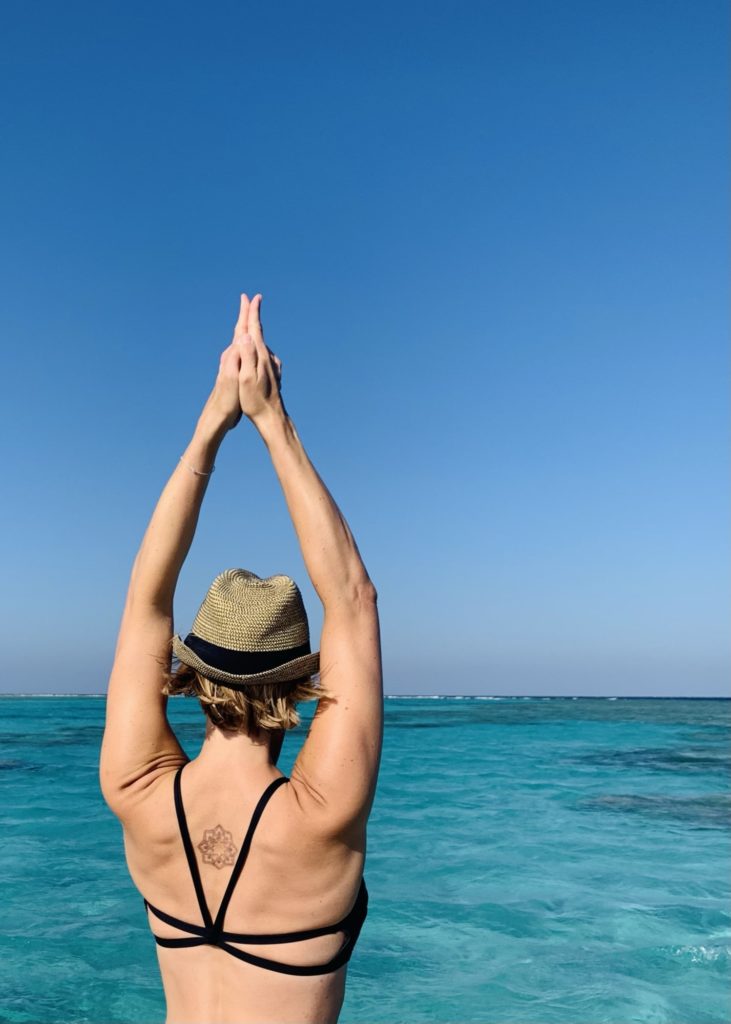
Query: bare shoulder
x=294 y=820
x=146 y=805
x=335 y=774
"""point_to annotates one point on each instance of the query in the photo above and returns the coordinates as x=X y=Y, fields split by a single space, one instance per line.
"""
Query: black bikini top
x=212 y=932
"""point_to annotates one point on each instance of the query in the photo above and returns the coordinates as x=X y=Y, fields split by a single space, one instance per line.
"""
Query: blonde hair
x=259 y=708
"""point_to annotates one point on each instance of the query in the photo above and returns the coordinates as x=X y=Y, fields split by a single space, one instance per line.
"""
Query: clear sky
x=491 y=240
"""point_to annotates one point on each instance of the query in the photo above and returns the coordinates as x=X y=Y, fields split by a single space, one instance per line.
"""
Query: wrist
x=211 y=428
x=272 y=423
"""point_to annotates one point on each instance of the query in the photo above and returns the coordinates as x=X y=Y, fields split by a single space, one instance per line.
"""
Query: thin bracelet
x=196 y=471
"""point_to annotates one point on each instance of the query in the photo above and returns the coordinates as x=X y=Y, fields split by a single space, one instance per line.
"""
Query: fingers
x=248 y=350
x=264 y=354
x=241 y=326
x=249 y=337
x=255 y=328
x=242 y=340
x=230 y=361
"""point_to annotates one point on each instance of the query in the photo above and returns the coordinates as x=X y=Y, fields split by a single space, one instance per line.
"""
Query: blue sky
x=491 y=240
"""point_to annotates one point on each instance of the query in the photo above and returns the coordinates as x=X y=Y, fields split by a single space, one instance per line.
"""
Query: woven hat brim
x=306 y=665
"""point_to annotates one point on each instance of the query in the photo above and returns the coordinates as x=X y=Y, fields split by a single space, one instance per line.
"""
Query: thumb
x=231 y=359
x=247 y=349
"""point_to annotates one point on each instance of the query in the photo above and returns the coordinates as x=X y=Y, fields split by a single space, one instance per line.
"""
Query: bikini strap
x=244 y=851
x=189 y=851
x=216 y=926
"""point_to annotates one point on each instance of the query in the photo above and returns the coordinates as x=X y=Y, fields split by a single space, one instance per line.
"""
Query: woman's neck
x=234 y=750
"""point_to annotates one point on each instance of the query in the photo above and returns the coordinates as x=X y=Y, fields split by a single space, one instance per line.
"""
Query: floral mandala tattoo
x=217 y=847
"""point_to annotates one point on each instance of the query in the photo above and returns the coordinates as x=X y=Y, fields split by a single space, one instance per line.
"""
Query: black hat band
x=243 y=662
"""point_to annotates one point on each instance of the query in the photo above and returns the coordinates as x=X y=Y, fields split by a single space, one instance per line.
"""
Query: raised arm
x=138 y=741
x=337 y=768
x=328 y=547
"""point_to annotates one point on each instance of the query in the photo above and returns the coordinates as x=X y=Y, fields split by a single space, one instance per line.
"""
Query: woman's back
x=294 y=877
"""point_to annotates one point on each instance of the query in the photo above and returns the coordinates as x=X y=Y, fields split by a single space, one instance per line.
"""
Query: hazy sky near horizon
x=491 y=240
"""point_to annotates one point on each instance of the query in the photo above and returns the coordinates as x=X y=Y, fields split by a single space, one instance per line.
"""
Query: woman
x=252 y=881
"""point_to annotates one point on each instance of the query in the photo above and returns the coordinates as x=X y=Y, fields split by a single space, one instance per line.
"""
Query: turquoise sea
x=531 y=860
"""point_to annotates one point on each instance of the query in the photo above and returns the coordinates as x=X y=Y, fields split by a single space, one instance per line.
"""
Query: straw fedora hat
x=249 y=630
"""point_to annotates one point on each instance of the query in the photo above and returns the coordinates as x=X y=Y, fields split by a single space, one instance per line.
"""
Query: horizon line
x=463 y=696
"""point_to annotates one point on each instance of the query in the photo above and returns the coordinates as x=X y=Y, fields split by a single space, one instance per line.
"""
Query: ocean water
x=529 y=860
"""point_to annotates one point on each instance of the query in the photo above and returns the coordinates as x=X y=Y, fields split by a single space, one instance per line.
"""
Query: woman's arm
x=329 y=550
x=336 y=771
x=170 y=532
x=330 y=553
x=138 y=742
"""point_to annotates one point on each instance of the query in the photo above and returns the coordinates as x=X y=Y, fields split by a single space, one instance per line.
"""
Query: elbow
x=365 y=592
x=371 y=592
x=352 y=593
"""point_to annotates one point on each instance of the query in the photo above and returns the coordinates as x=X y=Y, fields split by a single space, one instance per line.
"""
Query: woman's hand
x=249 y=374
x=222 y=407
x=260 y=371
